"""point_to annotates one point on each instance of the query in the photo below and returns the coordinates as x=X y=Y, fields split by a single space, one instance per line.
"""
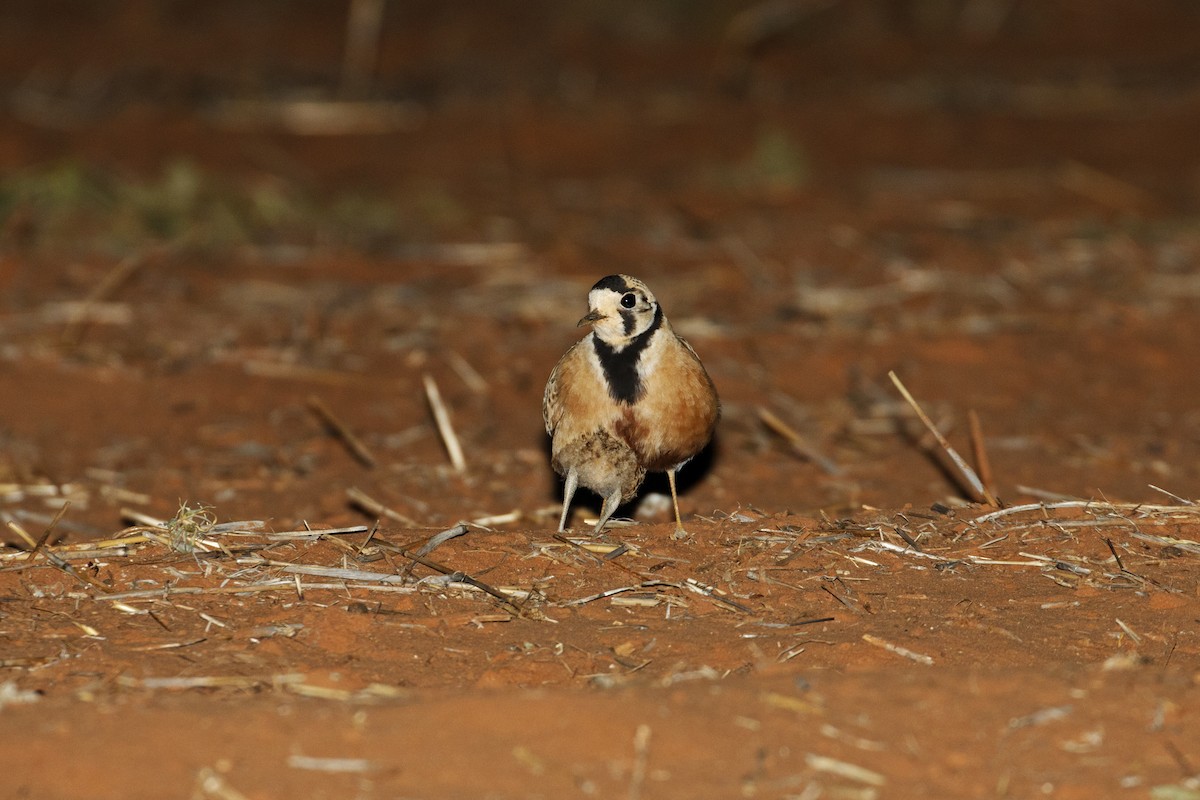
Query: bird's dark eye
x=628 y=300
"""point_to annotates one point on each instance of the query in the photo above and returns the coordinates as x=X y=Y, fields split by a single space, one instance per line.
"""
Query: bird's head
x=620 y=308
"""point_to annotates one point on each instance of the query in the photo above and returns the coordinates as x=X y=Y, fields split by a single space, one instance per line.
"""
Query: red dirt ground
x=998 y=201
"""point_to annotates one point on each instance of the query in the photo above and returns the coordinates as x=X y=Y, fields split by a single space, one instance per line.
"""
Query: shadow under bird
x=629 y=398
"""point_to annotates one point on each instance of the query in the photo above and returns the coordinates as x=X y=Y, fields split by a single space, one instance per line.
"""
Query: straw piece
x=441 y=416
x=469 y=375
x=24 y=534
x=107 y=285
x=972 y=480
x=372 y=506
x=330 y=764
x=982 y=462
x=797 y=442
x=336 y=427
x=897 y=649
x=439 y=539
x=844 y=769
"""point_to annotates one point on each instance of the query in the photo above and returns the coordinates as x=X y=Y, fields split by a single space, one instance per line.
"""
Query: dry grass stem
x=897 y=649
x=13 y=526
x=467 y=373
x=844 y=769
x=341 y=765
x=437 y=540
x=1128 y=631
x=445 y=429
x=982 y=463
x=714 y=594
x=377 y=509
x=107 y=285
x=497 y=519
x=641 y=755
x=971 y=480
x=210 y=783
x=49 y=530
x=1097 y=506
x=211 y=681
x=610 y=593
x=1183 y=501
x=315 y=533
x=342 y=573
x=1185 y=545
x=338 y=429
x=797 y=442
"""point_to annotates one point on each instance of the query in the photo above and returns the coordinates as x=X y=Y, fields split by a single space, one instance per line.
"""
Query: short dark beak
x=589 y=318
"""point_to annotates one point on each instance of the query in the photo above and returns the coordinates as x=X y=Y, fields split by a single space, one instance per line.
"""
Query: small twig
x=1112 y=549
x=713 y=594
x=24 y=534
x=457 y=575
x=496 y=519
x=107 y=285
x=982 y=463
x=798 y=444
x=49 y=529
x=1043 y=494
x=313 y=534
x=434 y=542
x=1181 y=500
x=972 y=480
x=437 y=540
x=579 y=601
x=1145 y=508
x=377 y=509
x=1128 y=630
x=342 y=573
x=441 y=416
x=897 y=649
x=910 y=541
x=847 y=603
x=844 y=769
x=469 y=375
x=340 y=765
x=210 y=783
x=335 y=426
x=641 y=754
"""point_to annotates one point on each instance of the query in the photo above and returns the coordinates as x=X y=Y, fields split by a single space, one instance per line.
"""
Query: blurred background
x=211 y=211
x=379 y=124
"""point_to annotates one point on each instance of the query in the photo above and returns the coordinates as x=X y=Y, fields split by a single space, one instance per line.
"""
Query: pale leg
x=679 y=531
x=572 y=481
x=610 y=505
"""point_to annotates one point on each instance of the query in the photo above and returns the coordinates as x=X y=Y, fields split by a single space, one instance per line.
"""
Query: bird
x=628 y=398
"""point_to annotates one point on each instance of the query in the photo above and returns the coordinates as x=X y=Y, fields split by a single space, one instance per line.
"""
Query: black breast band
x=620 y=366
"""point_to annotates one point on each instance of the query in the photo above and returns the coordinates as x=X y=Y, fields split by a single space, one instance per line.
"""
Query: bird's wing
x=551 y=410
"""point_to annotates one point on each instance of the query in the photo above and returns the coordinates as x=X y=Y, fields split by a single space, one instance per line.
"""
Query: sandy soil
x=203 y=306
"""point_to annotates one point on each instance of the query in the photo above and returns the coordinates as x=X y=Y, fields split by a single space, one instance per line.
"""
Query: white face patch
x=618 y=324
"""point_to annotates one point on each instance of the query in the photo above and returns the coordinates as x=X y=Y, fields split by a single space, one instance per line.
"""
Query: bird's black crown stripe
x=615 y=282
x=620 y=366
